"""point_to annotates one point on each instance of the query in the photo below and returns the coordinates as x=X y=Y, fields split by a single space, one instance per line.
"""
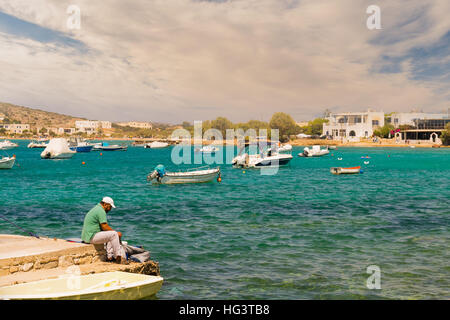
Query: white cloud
x=184 y=60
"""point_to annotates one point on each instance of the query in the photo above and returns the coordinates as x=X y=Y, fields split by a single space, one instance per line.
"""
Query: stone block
x=26 y=267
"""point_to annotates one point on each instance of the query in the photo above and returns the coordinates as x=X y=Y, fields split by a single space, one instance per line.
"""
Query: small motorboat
x=260 y=159
x=340 y=170
x=315 y=151
x=7 y=162
x=285 y=148
x=207 y=149
x=331 y=147
x=7 y=145
x=160 y=175
x=80 y=146
x=115 y=285
x=156 y=145
x=37 y=144
x=281 y=148
x=107 y=147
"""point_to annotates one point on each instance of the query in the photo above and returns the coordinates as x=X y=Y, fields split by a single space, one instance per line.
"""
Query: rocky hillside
x=35 y=117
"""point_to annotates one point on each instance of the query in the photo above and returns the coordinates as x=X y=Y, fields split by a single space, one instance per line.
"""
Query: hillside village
x=19 y=121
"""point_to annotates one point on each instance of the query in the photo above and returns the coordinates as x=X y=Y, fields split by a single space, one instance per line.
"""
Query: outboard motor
x=158 y=173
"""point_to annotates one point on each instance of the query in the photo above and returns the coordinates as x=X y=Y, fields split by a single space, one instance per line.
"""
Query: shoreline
x=294 y=143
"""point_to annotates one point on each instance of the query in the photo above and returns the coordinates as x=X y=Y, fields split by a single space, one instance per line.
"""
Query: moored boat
x=78 y=145
x=207 y=149
x=7 y=162
x=160 y=175
x=6 y=145
x=260 y=158
x=340 y=170
x=109 y=147
x=315 y=151
x=57 y=148
x=37 y=144
x=156 y=145
x=98 y=286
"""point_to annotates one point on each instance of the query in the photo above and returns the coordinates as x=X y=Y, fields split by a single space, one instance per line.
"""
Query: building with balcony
x=351 y=126
x=398 y=119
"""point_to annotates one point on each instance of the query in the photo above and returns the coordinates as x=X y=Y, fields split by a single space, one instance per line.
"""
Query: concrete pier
x=25 y=259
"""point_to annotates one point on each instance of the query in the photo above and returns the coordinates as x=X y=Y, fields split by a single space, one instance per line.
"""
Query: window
x=375 y=123
x=352 y=133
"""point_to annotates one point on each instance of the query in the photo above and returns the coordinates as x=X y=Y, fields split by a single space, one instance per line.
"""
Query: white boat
x=37 y=144
x=207 y=149
x=7 y=162
x=160 y=175
x=260 y=159
x=57 y=148
x=285 y=148
x=6 y=145
x=98 y=286
x=340 y=170
x=156 y=145
x=105 y=146
x=315 y=151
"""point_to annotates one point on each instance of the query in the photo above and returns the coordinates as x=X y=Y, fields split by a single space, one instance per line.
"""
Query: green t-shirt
x=92 y=221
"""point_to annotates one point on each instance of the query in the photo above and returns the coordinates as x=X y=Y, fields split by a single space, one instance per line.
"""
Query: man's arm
x=106 y=227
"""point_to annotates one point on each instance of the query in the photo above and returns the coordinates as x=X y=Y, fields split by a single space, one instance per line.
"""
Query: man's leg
x=113 y=246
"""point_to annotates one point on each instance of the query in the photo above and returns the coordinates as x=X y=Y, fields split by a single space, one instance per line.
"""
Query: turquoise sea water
x=300 y=234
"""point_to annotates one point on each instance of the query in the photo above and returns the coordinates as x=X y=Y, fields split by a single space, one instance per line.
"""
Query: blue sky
x=242 y=59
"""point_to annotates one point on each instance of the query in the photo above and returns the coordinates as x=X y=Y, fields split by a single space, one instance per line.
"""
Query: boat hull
x=101 y=286
x=111 y=148
x=7 y=163
x=202 y=176
x=82 y=148
x=64 y=155
x=339 y=170
x=273 y=162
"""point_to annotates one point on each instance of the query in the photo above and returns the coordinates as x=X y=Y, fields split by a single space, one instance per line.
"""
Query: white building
x=407 y=118
x=136 y=124
x=353 y=125
x=15 y=127
x=91 y=126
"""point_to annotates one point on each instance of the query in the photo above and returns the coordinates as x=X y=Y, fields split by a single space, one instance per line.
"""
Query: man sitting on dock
x=97 y=231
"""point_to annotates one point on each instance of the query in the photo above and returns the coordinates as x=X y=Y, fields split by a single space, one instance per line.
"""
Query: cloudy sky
x=176 y=60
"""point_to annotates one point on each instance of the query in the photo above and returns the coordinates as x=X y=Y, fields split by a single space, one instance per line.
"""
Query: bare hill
x=35 y=117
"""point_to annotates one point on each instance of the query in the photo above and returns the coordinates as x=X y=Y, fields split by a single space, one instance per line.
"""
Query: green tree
x=315 y=127
x=445 y=137
x=222 y=124
x=285 y=124
x=384 y=131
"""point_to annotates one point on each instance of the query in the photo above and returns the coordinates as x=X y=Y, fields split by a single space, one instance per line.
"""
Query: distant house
x=136 y=124
x=353 y=125
x=91 y=126
x=18 y=128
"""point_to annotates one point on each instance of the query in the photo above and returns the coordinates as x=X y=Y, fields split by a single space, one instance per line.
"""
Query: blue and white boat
x=80 y=146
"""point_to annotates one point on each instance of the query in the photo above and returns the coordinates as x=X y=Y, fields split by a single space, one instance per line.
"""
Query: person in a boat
x=96 y=230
